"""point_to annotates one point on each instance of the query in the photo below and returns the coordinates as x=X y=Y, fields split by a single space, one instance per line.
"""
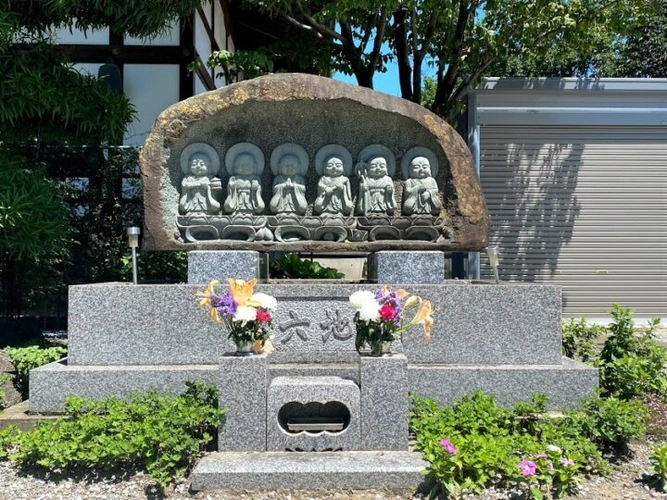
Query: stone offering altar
x=302 y=163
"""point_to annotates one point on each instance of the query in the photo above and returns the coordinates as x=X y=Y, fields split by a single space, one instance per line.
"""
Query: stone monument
x=349 y=169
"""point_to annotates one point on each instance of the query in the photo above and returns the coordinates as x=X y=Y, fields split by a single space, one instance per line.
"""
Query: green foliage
x=475 y=444
x=631 y=363
x=4 y=377
x=643 y=53
x=241 y=64
x=461 y=41
x=29 y=357
x=658 y=460
x=144 y=19
x=7 y=438
x=34 y=233
x=158 y=433
x=33 y=221
x=579 y=337
x=290 y=266
x=157 y=266
x=610 y=422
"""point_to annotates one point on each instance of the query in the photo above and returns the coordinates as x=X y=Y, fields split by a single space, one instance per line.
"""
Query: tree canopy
x=461 y=40
x=44 y=101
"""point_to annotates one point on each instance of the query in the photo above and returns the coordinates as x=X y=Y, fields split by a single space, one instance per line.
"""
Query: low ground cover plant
x=157 y=433
x=30 y=356
x=476 y=444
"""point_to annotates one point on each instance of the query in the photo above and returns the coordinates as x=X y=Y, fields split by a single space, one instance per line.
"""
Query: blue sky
x=383 y=82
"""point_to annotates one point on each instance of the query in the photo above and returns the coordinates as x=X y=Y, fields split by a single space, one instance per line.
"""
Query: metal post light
x=494 y=256
x=133 y=240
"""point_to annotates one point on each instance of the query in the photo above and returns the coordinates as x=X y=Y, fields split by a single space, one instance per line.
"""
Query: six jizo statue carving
x=291 y=216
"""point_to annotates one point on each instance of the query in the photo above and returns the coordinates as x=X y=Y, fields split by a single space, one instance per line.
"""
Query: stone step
x=355 y=470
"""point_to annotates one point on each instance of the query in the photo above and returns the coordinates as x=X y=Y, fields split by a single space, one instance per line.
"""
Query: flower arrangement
x=379 y=317
x=246 y=315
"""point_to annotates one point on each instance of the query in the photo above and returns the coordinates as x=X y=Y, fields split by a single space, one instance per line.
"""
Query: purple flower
x=567 y=462
x=541 y=455
x=226 y=304
x=527 y=467
x=448 y=446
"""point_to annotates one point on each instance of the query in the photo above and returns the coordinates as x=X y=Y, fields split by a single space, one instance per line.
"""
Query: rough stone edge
x=466 y=208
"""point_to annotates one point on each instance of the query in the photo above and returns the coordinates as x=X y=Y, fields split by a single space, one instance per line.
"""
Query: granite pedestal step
x=355 y=470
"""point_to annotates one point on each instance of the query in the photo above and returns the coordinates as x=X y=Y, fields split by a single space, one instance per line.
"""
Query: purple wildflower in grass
x=541 y=455
x=527 y=467
x=226 y=305
x=567 y=462
x=448 y=446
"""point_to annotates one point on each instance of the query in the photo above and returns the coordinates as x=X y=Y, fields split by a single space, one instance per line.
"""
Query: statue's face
x=199 y=163
x=377 y=168
x=289 y=165
x=244 y=164
x=420 y=168
x=334 y=167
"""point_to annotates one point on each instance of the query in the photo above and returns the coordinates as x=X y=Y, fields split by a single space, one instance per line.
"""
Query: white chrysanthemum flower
x=265 y=301
x=361 y=299
x=370 y=311
x=554 y=448
x=245 y=313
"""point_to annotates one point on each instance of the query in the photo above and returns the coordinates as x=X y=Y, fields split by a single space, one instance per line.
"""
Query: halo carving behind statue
x=202 y=148
x=240 y=148
x=413 y=153
x=289 y=148
x=373 y=151
x=326 y=152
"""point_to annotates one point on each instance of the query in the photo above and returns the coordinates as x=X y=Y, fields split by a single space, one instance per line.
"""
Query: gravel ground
x=623 y=482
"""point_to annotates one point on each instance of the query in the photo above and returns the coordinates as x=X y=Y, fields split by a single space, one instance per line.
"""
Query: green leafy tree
x=45 y=102
x=643 y=53
x=462 y=40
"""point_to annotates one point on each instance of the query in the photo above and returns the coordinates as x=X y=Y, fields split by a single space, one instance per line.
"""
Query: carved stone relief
x=244 y=163
x=332 y=217
x=200 y=189
x=420 y=194
x=375 y=168
x=334 y=194
x=289 y=163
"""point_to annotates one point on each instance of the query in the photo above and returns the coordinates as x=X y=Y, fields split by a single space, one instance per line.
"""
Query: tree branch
x=402 y=56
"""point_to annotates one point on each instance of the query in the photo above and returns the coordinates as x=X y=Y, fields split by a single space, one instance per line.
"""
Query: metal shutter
x=581 y=207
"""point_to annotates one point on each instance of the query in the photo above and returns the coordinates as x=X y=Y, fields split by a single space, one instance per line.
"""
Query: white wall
x=151 y=88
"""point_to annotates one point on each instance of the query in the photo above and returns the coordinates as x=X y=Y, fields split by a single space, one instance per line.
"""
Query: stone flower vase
x=244 y=348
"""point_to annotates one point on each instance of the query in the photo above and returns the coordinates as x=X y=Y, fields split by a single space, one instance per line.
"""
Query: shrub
x=631 y=364
x=31 y=356
x=290 y=266
x=161 y=434
x=475 y=444
x=610 y=421
x=578 y=338
x=658 y=459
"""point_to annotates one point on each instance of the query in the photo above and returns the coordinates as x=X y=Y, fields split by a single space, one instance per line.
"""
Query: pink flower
x=541 y=455
x=567 y=462
x=387 y=312
x=263 y=316
x=527 y=467
x=448 y=446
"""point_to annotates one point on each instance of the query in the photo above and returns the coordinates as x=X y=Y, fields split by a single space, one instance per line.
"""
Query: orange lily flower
x=242 y=291
x=424 y=318
x=206 y=294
